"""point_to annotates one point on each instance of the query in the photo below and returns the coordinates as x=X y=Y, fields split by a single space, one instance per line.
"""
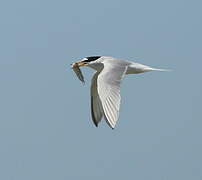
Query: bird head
x=92 y=61
x=88 y=60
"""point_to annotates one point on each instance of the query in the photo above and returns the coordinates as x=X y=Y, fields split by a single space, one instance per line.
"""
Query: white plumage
x=105 y=84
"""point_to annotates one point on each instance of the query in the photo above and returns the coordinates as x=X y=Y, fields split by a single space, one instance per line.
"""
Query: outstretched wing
x=96 y=105
x=108 y=85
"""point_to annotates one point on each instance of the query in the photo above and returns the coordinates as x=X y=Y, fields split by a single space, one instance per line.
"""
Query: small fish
x=78 y=72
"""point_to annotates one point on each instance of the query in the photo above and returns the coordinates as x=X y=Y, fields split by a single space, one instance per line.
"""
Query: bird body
x=105 y=84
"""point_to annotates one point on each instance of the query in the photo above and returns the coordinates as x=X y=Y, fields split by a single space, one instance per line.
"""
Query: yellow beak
x=78 y=64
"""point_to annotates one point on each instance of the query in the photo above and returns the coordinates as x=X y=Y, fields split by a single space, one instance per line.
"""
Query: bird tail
x=156 y=69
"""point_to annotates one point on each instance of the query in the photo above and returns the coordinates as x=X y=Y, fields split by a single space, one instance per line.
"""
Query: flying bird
x=105 y=84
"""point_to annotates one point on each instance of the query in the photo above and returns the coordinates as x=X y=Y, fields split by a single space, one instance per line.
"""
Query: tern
x=105 y=84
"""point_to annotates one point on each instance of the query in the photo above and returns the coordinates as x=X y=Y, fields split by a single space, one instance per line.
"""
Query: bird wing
x=108 y=85
x=96 y=105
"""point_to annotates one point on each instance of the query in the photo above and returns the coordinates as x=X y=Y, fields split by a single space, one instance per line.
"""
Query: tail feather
x=156 y=69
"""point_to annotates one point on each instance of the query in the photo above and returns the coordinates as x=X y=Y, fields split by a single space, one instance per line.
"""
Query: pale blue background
x=45 y=125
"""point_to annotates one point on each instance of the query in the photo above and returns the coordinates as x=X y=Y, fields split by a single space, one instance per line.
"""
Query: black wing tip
x=111 y=127
x=95 y=123
x=107 y=121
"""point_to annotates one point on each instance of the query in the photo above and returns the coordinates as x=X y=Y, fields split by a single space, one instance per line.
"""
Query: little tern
x=105 y=84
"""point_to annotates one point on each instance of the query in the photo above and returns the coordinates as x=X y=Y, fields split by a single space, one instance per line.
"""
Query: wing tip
x=94 y=122
x=112 y=126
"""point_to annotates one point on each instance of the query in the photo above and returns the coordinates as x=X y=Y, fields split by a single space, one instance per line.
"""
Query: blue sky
x=46 y=130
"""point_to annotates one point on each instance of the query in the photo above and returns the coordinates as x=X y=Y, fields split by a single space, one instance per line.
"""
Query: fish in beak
x=75 y=66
